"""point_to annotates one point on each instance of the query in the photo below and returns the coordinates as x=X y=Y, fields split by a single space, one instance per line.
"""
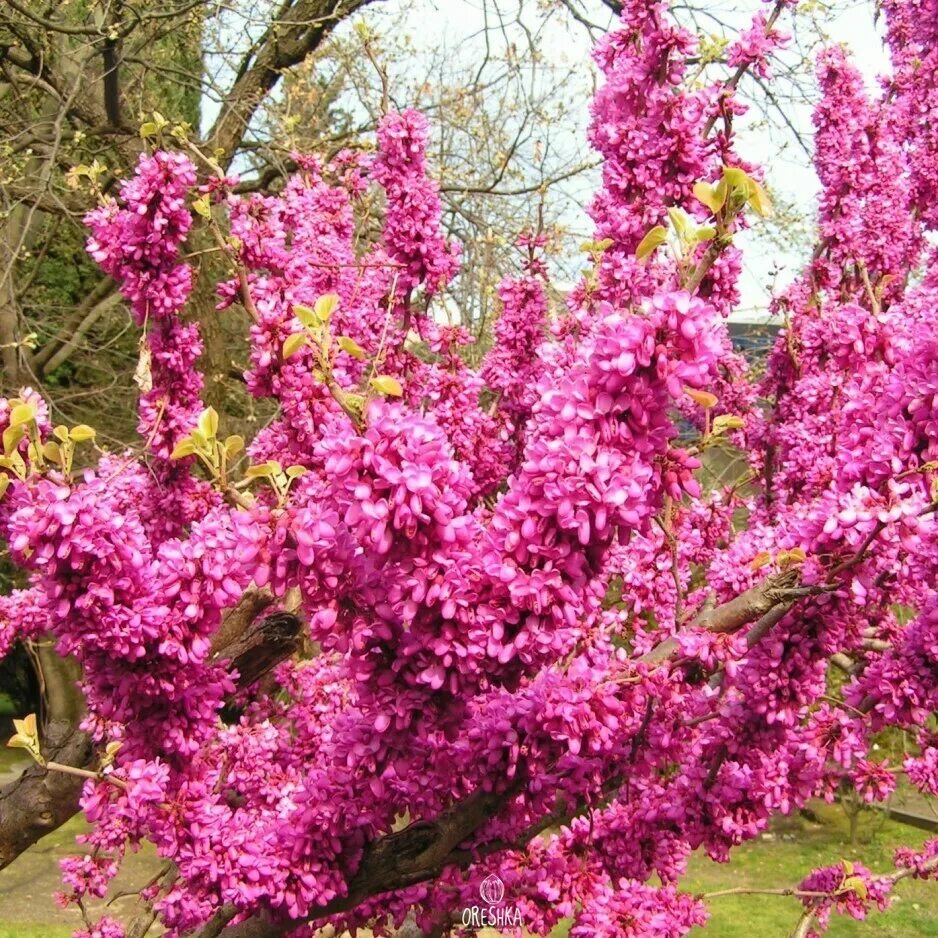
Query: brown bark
x=778 y=591
x=420 y=852
x=40 y=801
x=413 y=855
x=297 y=29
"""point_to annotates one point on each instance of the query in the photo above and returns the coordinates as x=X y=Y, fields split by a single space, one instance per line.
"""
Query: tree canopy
x=528 y=624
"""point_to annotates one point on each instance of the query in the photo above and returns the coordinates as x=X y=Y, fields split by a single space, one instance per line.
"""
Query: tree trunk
x=39 y=801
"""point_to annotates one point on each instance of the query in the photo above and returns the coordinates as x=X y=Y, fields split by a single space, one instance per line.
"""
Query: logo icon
x=491 y=914
x=492 y=890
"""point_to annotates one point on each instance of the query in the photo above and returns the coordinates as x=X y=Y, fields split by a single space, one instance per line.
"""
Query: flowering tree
x=535 y=641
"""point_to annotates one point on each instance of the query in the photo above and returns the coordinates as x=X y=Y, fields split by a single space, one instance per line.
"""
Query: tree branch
x=40 y=801
x=300 y=29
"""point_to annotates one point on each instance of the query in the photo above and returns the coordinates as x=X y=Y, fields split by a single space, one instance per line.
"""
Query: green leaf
x=762 y=559
x=149 y=129
x=681 y=222
x=27 y=736
x=82 y=433
x=264 y=470
x=704 y=398
x=4 y=485
x=110 y=751
x=306 y=315
x=651 y=241
x=294 y=472
x=208 y=423
x=326 y=306
x=596 y=247
x=28 y=726
x=705 y=233
x=726 y=422
x=61 y=433
x=855 y=885
x=12 y=437
x=233 y=446
x=17 y=464
x=52 y=452
x=759 y=200
x=736 y=179
x=183 y=448
x=293 y=343
x=22 y=414
x=352 y=347
x=355 y=402
x=385 y=384
x=202 y=206
x=711 y=196
x=793 y=557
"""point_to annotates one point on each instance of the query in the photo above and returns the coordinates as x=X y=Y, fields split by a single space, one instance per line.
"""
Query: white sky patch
x=459 y=26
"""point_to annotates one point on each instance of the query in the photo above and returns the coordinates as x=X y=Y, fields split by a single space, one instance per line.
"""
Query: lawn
x=781 y=863
x=796 y=846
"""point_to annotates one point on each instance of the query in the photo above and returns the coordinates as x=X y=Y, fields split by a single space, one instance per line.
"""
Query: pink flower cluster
x=136 y=240
x=520 y=582
x=411 y=228
x=852 y=891
x=755 y=45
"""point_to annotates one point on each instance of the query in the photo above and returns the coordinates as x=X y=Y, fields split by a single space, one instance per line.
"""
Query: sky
x=457 y=27
x=453 y=23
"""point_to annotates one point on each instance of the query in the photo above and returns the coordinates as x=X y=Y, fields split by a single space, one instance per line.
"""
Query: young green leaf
x=651 y=241
x=385 y=384
x=726 y=422
x=681 y=222
x=82 y=433
x=201 y=206
x=22 y=414
x=326 y=306
x=736 y=179
x=233 y=446
x=293 y=343
x=704 y=398
x=759 y=200
x=53 y=452
x=208 y=423
x=762 y=559
x=352 y=347
x=711 y=196
x=183 y=448
x=11 y=438
x=264 y=470
x=306 y=315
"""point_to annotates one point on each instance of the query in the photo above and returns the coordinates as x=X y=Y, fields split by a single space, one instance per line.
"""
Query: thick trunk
x=217 y=347
x=39 y=801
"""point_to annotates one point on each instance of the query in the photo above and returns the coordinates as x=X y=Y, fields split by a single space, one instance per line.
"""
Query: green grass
x=782 y=863
x=36 y=931
x=762 y=864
